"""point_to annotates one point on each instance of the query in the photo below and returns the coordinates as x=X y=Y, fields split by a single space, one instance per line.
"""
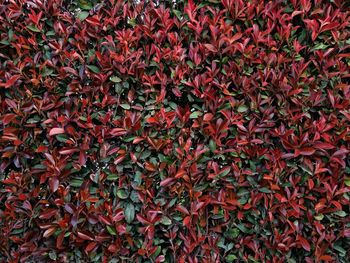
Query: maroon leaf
x=85 y=236
x=55 y=131
x=304 y=243
x=49 y=232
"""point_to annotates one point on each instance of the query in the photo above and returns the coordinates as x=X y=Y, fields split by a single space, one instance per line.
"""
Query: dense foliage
x=174 y=131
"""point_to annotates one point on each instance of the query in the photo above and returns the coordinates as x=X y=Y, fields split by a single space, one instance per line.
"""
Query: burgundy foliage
x=174 y=131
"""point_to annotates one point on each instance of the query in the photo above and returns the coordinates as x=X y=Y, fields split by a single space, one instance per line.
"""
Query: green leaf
x=93 y=68
x=50 y=33
x=33 y=28
x=46 y=72
x=125 y=106
x=138 y=178
x=178 y=14
x=320 y=46
x=225 y=60
x=134 y=197
x=86 y=5
x=242 y=108
x=341 y=213
x=340 y=249
x=115 y=79
x=212 y=145
x=224 y=172
x=190 y=64
x=166 y=221
x=35 y=119
x=132 y=22
x=52 y=255
x=76 y=182
x=157 y=252
x=319 y=217
x=111 y=230
x=288 y=9
x=118 y=88
x=122 y=194
x=265 y=190
x=347 y=181
x=10 y=34
x=173 y=105
x=231 y=257
x=233 y=232
x=306 y=170
x=4 y=42
x=112 y=177
x=83 y=15
x=129 y=212
x=243 y=228
x=195 y=114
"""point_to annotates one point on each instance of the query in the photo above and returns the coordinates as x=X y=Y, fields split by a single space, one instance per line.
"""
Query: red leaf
x=323 y=146
x=118 y=217
x=331 y=97
x=41 y=149
x=160 y=259
x=68 y=151
x=49 y=232
x=59 y=240
x=150 y=167
x=150 y=232
x=137 y=140
x=166 y=181
x=8 y=118
x=48 y=214
x=82 y=158
x=84 y=236
x=180 y=174
x=304 y=243
x=295 y=13
x=35 y=18
x=142 y=220
x=187 y=221
x=310 y=183
x=50 y=158
x=235 y=37
x=90 y=247
x=121 y=229
x=104 y=220
x=55 y=131
x=93 y=21
x=211 y=48
x=208 y=117
x=112 y=248
x=17 y=142
x=118 y=132
x=53 y=183
x=69 y=208
x=152 y=120
x=347 y=232
x=307 y=151
x=182 y=209
x=119 y=159
x=326 y=258
x=340 y=153
x=10 y=82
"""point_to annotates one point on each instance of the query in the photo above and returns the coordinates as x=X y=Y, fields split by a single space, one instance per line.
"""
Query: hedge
x=174 y=131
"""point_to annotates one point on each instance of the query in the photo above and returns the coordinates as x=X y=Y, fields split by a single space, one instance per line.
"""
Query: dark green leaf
x=93 y=68
x=129 y=212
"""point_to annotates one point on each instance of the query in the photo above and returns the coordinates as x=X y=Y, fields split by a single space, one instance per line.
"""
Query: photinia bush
x=174 y=131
